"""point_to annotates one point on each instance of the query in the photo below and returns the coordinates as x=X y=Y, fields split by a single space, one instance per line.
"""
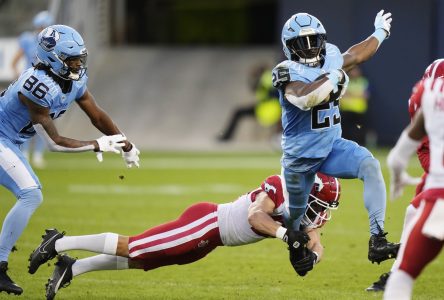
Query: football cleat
x=6 y=283
x=45 y=251
x=379 y=249
x=61 y=277
x=379 y=286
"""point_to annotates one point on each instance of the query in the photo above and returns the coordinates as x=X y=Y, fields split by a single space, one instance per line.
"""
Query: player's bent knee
x=369 y=167
x=31 y=197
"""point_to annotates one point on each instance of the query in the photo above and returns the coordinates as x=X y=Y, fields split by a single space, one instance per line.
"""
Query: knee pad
x=369 y=167
x=31 y=197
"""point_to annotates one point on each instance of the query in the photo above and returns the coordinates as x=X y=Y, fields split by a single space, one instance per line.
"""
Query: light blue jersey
x=39 y=87
x=311 y=142
x=28 y=43
x=310 y=134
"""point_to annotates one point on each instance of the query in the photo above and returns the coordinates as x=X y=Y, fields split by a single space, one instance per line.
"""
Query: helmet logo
x=49 y=39
x=269 y=187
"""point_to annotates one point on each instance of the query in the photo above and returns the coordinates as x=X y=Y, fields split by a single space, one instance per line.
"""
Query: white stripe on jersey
x=176 y=242
x=174 y=231
x=15 y=168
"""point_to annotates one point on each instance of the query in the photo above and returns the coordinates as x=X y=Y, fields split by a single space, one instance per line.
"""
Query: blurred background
x=172 y=72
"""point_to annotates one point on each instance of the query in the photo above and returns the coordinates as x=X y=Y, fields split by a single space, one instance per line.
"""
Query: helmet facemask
x=74 y=67
x=317 y=212
x=307 y=49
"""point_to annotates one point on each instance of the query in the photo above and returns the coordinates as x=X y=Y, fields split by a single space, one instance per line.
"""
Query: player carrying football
x=199 y=230
x=310 y=82
x=29 y=105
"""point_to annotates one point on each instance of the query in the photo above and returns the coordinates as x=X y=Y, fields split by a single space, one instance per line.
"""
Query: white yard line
x=166 y=189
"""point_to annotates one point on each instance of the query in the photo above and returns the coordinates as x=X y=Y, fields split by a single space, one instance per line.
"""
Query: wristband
x=280 y=232
x=317 y=257
x=380 y=34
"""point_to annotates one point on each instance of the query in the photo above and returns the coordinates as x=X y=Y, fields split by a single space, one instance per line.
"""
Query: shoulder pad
x=333 y=58
x=37 y=87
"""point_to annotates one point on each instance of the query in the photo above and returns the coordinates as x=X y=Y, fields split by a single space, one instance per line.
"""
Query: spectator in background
x=28 y=50
x=266 y=109
x=353 y=106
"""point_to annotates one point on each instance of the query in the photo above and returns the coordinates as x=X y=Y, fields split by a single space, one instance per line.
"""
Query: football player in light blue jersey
x=28 y=50
x=311 y=83
x=29 y=105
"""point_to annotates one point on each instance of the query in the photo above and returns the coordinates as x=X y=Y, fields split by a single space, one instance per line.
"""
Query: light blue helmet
x=62 y=49
x=303 y=38
x=42 y=19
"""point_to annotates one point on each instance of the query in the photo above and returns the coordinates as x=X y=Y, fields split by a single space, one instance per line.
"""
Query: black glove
x=295 y=239
x=305 y=264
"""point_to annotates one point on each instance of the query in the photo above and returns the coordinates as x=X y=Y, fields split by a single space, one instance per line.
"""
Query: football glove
x=296 y=240
x=110 y=143
x=131 y=157
x=302 y=265
x=383 y=21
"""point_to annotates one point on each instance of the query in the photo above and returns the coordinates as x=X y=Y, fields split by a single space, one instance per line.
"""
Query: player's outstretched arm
x=399 y=156
x=362 y=51
x=44 y=125
x=103 y=122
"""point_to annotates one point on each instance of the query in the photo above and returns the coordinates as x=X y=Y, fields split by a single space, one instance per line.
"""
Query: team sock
x=105 y=243
x=399 y=286
x=99 y=262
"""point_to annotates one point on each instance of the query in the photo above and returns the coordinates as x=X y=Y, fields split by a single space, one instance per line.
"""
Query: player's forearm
x=263 y=223
x=105 y=124
x=314 y=244
x=360 y=52
x=309 y=95
x=57 y=143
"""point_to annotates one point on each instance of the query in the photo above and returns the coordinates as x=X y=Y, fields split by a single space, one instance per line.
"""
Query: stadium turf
x=82 y=196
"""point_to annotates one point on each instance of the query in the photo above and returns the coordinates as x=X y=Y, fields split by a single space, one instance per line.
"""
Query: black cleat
x=45 y=251
x=379 y=249
x=379 y=286
x=61 y=277
x=6 y=283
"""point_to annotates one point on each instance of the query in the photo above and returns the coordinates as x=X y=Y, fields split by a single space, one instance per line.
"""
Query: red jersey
x=423 y=150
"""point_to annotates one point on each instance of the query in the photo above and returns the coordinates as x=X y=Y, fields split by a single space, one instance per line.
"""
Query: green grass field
x=82 y=196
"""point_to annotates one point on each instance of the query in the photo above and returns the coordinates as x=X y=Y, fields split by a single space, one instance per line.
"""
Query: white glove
x=110 y=143
x=398 y=175
x=383 y=21
x=131 y=157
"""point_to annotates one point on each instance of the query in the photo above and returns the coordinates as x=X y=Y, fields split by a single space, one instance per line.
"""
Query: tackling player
x=424 y=236
x=199 y=230
x=434 y=70
x=310 y=82
x=41 y=94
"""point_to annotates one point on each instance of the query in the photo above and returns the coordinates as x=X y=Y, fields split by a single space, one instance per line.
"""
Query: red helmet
x=435 y=69
x=323 y=197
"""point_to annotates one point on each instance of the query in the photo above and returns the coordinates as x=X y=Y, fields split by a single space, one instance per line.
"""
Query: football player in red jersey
x=199 y=230
x=434 y=70
x=424 y=236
